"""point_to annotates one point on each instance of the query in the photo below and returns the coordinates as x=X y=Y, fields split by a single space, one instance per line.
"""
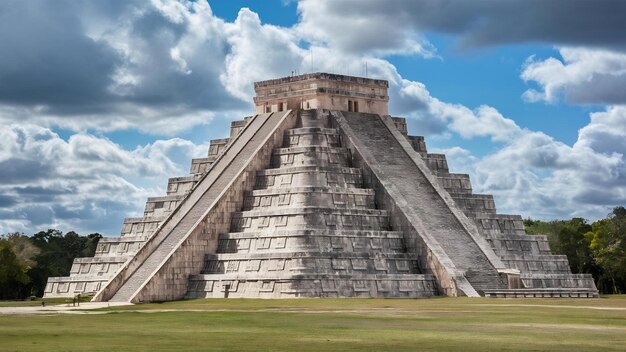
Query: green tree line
x=27 y=262
x=598 y=248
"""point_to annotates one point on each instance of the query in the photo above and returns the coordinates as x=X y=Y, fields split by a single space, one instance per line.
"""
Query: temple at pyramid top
x=322 y=91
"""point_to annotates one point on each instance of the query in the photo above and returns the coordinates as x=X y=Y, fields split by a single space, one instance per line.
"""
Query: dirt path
x=61 y=308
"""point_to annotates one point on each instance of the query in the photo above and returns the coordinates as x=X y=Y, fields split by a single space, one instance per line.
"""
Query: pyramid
x=321 y=193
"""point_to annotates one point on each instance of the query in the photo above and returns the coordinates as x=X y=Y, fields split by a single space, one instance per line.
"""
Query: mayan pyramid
x=321 y=194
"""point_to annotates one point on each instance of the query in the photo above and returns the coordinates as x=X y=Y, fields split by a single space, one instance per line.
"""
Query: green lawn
x=440 y=324
x=37 y=302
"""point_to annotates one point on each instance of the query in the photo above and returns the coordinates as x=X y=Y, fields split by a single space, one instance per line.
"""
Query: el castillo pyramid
x=321 y=194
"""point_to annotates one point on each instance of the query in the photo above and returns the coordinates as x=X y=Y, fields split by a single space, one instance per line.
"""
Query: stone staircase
x=88 y=275
x=416 y=193
x=543 y=274
x=187 y=220
x=310 y=230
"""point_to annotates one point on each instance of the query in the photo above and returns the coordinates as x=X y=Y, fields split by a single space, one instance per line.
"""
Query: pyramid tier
x=311 y=155
x=499 y=224
x=114 y=246
x=182 y=185
x=69 y=286
x=140 y=226
x=519 y=244
x=96 y=266
x=315 y=176
x=475 y=203
x=316 y=240
x=310 y=196
x=201 y=165
x=456 y=183
x=217 y=146
x=86 y=276
x=309 y=217
x=281 y=285
x=543 y=280
x=161 y=207
x=306 y=262
x=538 y=263
x=311 y=136
x=436 y=162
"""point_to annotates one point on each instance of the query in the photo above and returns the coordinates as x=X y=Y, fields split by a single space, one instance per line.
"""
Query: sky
x=102 y=101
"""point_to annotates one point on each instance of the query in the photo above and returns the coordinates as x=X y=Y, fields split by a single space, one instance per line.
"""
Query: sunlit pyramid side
x=321 y=194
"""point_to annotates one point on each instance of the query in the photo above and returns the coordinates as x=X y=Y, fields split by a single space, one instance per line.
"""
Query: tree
x=57 y=254
x=13 y=275
x=573 y=243
x=24 y=249
x=608 y=244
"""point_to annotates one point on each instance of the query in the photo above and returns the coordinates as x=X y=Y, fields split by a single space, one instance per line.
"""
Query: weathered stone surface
x=333 y=199
x=322 y=91
x=310 y=231
x=450 y=248
x=160 y=269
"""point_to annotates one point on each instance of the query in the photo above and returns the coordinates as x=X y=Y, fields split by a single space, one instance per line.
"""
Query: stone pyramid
x=321 y=194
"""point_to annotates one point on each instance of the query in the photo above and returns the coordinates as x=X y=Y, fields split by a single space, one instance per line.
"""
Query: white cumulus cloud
x=85 y=183
x=583 y=75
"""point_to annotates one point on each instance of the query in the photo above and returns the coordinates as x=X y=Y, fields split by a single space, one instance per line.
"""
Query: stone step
x=310 y=196
x=483 y=279
x=71 y=286
x=455 y=183
x=201 y=165
x=518 y=244
x=475 y=203
x=133 y=227
x=400 y=124
x=311 y=136
x=418 y=143
x=314 y=240
x=436 y=162
x=543 y=293
x=312 y=217
x=410 y=286
x=238 y=125
x=97 y=266
x=490 y=224
x=182 y=185
x=533 y=263
x=311 y=118
x=546 y=280
x=314 y=156
x=279 y=285
x=294 y=254
x=161 y=207
x=306 y=262
x=335 y=176
x=217 y=146
x=112 y=246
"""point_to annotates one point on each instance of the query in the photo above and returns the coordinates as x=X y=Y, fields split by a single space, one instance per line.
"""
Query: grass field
x=441 y=324
x=37 y=302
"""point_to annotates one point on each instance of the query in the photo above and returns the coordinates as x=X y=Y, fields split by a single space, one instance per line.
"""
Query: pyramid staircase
x=309 y=229
x=318 y=217
x=89 y=274
x=543 y=274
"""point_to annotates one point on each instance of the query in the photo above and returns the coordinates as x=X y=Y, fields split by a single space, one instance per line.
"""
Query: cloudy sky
x=102 y=101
